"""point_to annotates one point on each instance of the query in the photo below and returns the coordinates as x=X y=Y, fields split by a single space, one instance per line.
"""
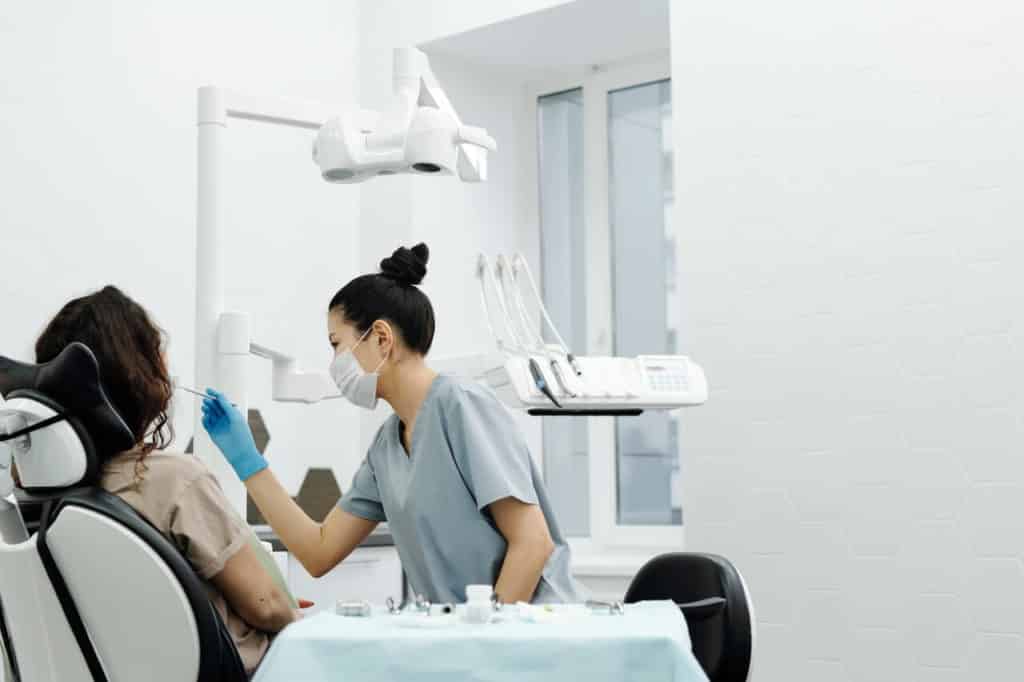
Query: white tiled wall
x=850 y=194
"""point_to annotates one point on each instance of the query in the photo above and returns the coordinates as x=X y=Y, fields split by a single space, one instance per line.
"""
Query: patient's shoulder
x=159 y=470
x=156 y=484
x=180 y=465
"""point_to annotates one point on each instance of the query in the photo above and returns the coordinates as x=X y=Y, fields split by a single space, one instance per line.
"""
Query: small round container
x=357 y=609
x=478 y=613
x=479 y=593
x=478 y=604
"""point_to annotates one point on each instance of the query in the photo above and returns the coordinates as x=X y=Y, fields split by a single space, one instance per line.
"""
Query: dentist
x=448 y=471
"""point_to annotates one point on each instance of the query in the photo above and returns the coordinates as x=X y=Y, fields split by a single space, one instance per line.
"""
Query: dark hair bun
x=407 y=266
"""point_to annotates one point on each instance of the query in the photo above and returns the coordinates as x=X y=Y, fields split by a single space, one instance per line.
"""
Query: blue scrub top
x=466 y=453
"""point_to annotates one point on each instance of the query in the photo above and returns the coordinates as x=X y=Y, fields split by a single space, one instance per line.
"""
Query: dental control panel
x=550 y=382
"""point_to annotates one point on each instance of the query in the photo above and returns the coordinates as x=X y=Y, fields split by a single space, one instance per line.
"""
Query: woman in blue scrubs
x=449 y=471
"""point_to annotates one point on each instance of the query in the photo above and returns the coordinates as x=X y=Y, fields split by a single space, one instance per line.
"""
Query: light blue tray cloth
x=649 y=643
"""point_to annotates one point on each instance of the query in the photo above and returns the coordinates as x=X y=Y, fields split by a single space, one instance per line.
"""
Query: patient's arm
x=220 y=546
x=252 y=593
x=318 y=546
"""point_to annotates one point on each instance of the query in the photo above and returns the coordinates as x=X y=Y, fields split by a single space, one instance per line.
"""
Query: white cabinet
x=368 y=574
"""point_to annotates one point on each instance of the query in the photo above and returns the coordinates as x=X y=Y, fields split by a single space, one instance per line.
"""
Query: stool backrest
x=714 y=599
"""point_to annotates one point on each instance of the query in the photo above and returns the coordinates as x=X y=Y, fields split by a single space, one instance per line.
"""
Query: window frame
x=606 y=534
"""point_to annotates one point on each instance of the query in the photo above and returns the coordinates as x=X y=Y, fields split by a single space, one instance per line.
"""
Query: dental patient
x=175 y=492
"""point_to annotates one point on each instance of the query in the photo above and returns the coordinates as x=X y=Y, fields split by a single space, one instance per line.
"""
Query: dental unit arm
x=548 y=380
x=291 y=385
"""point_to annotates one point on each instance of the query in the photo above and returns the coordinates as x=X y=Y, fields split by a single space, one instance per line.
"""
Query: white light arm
x=291 y=385
x=432 y=94
x=416 y=85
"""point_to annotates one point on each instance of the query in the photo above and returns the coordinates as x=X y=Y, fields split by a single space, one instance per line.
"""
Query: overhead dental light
x=419 y=133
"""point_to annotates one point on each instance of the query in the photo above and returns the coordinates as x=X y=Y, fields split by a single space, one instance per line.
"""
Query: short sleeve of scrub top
x=489 y=448
x=363 y=498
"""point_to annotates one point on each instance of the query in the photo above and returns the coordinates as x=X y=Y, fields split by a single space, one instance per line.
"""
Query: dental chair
x=715 y=602
x=96 y=593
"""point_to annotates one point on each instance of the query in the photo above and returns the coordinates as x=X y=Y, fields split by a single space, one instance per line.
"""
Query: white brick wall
x=849 y=181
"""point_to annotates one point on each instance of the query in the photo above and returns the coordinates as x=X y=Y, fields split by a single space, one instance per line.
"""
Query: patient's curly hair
x=129 y=348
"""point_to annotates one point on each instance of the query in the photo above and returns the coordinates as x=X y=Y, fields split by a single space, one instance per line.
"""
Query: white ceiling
x=577 y=34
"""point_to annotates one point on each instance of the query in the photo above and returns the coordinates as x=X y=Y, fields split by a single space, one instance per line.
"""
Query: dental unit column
x=210 y=255
x=233 y=343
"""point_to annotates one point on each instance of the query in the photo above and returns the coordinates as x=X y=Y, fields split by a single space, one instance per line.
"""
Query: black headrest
x=72 y=381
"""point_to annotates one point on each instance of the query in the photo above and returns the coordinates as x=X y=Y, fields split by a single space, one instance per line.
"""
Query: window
x=560 y=149
x=609 y=278
x=645 y=300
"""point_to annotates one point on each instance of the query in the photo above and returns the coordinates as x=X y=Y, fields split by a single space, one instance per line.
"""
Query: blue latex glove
x=229 y=430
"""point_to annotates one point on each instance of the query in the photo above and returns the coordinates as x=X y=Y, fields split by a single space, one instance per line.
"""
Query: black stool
x=714 y=600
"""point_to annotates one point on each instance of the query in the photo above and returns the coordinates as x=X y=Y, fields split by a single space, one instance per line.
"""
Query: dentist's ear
x=385 y=338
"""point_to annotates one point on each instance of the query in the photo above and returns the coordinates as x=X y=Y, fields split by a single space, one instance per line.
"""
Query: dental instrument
x=541 y=382
x=519 y=264
x=532 y=335
x=357 y=609
x=615 y=608
x=485 y=274
x=195 y=392
x=417 y=603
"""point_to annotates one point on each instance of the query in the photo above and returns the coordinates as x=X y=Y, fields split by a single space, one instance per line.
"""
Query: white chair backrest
x=44 y=647
x=55 y=456
x=137 y=614
x=95 y=568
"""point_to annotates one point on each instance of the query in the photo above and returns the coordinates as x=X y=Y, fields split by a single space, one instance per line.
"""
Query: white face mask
x=359 y=387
